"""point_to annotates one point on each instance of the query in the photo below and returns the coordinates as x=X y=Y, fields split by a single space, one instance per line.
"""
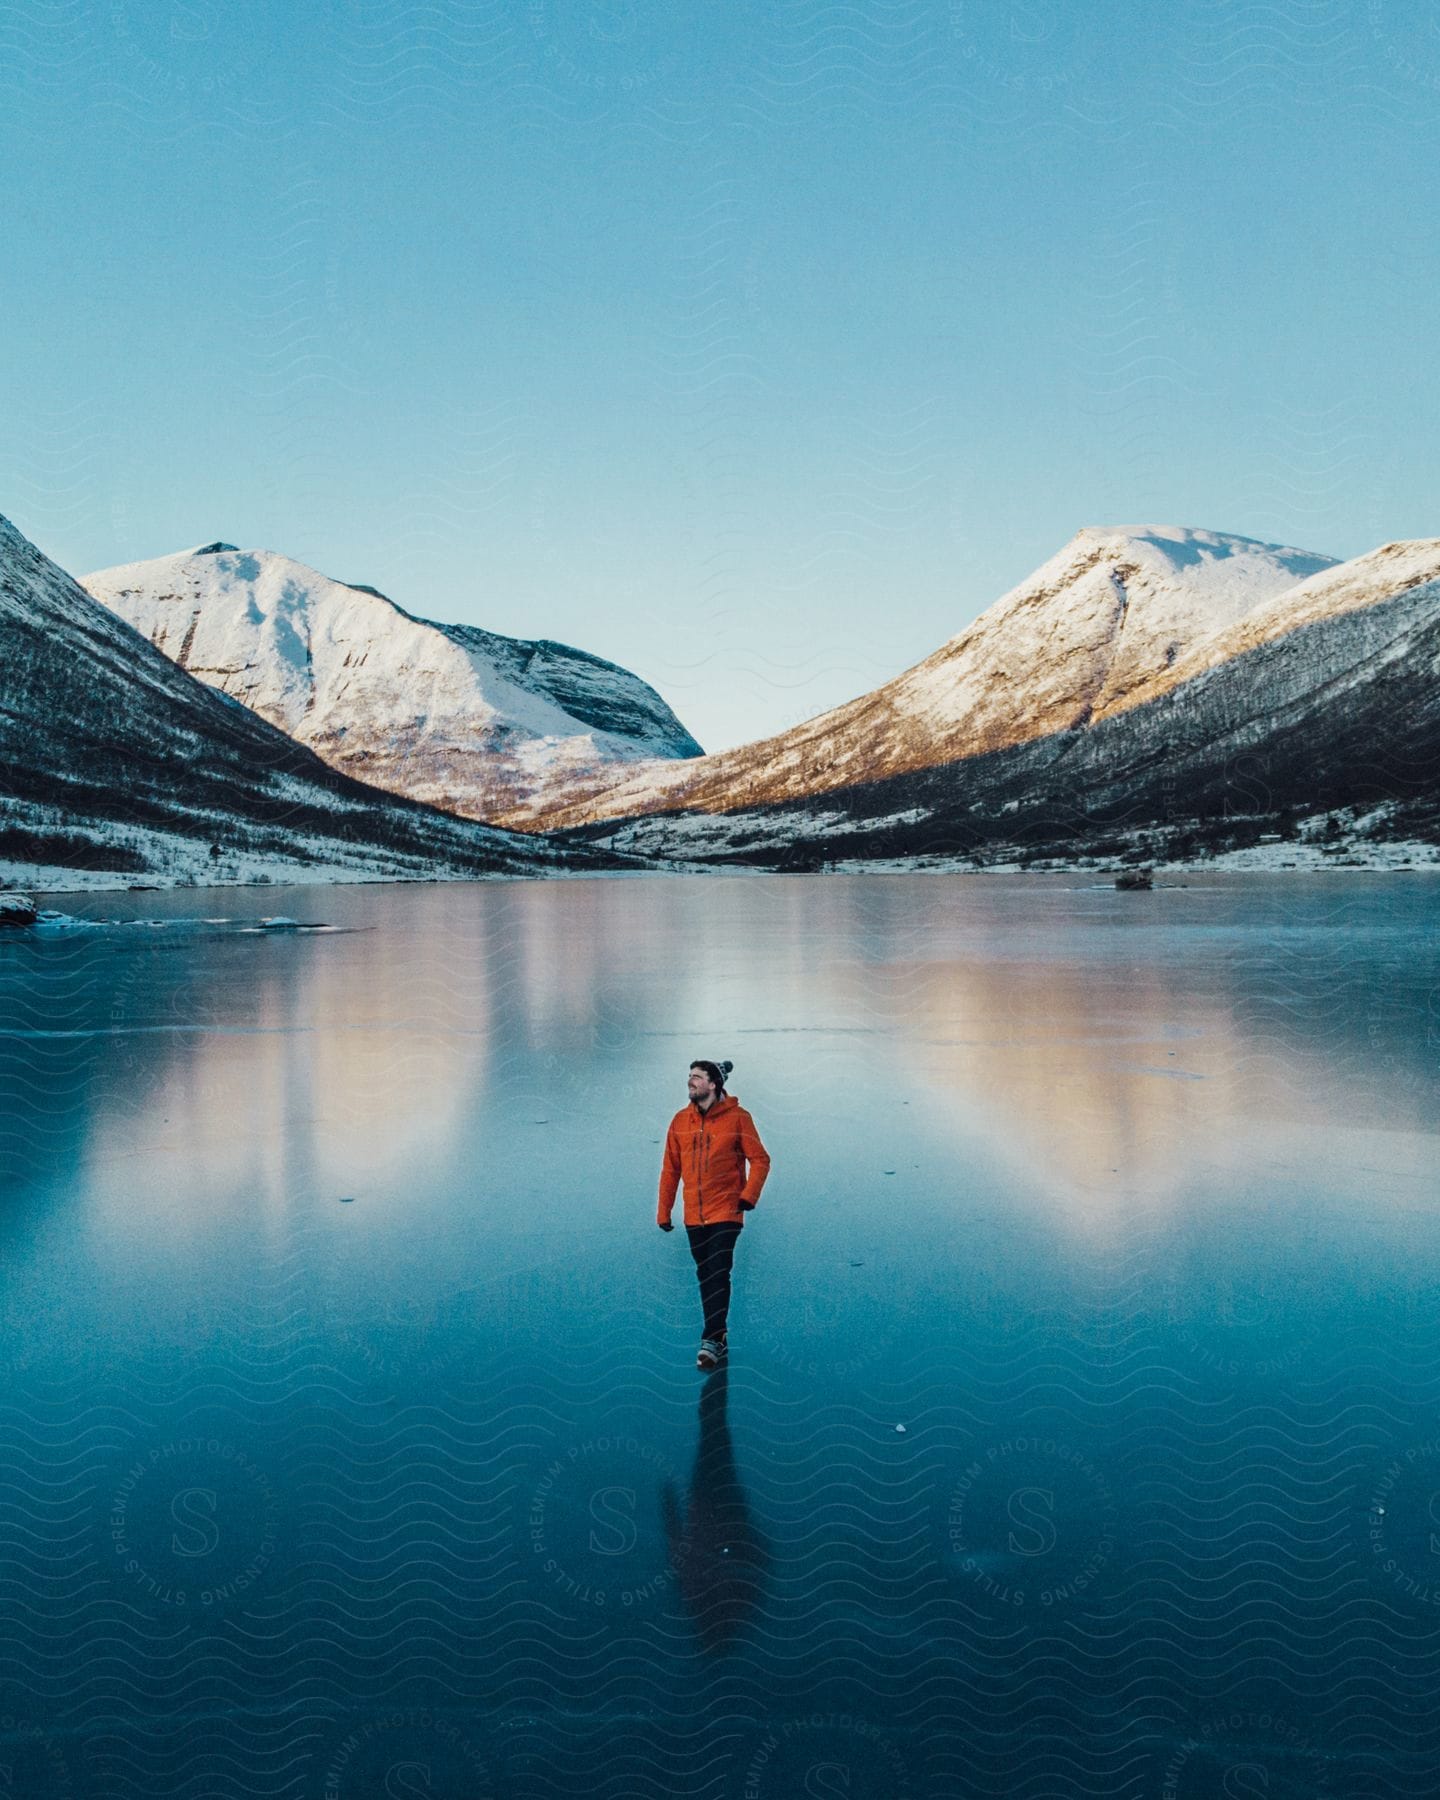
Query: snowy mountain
x=1317 y=708
x=1091 y=627
x=112 y=758
x=1382 y=575
x=455 y=716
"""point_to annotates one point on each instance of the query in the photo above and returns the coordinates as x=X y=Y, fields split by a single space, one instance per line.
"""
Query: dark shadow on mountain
x=1338 y=713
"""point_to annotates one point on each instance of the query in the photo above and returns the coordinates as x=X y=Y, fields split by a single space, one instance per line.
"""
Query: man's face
x=702 y=1088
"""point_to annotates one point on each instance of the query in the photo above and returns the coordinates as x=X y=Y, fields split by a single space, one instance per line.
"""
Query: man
x=714 y=1149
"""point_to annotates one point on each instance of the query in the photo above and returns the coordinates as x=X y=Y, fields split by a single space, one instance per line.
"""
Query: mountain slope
x=455 y=716
x=1327 y=699
x=1373 y=579
x=112 y=757
x=1108 y=614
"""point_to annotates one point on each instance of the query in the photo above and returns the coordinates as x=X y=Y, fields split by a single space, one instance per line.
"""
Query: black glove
x=747 y=1206
x=664 y=1224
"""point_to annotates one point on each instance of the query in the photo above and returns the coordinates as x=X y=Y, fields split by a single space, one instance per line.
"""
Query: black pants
x=713 y=1247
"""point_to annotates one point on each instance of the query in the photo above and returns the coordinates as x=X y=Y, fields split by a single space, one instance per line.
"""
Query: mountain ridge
x=111 y=756
x=1333 y=709
x=1106 y=613
x=452 y=715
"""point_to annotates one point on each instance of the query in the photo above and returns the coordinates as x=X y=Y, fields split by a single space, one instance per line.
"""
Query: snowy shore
x=1299 y=859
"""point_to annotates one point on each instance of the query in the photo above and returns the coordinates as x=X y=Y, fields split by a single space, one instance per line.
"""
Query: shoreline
x=1408 y=858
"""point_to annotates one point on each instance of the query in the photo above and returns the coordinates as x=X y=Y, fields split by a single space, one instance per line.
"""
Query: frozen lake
x=352 y=1442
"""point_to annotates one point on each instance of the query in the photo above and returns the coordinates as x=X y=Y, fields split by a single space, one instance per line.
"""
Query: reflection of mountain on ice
x=338 y=1057
x=1125 y=1082
x=1112 y=610
x=449 y=714
x=364 y=1054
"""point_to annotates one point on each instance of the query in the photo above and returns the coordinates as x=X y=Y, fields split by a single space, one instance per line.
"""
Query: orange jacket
x=708 y=1151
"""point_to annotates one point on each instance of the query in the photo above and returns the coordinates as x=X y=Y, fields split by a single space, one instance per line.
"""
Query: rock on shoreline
x=17 y=909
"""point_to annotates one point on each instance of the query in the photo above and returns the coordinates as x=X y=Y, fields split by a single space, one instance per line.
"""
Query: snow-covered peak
x=1186 y=555
x=1174 y=549
x=1111 y=609
x=1131 y=599
x=1409 y=567
x=1214 y=571
x=453 y=715
x=118 y=763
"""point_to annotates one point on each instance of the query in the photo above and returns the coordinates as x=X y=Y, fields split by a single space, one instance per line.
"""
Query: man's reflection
x=718 y=1555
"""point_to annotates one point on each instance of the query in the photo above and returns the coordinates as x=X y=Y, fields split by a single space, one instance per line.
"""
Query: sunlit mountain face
x=1310 y=719
x=1109 y=612
x=462 y=718
x=117 y=761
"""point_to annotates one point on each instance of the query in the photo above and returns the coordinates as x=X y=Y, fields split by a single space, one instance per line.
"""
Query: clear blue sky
x=757 y=347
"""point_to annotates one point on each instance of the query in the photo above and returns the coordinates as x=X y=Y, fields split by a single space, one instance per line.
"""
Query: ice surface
x=1148 y=1288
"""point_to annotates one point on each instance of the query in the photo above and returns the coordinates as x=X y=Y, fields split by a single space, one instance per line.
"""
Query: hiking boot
x=712 y=1353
